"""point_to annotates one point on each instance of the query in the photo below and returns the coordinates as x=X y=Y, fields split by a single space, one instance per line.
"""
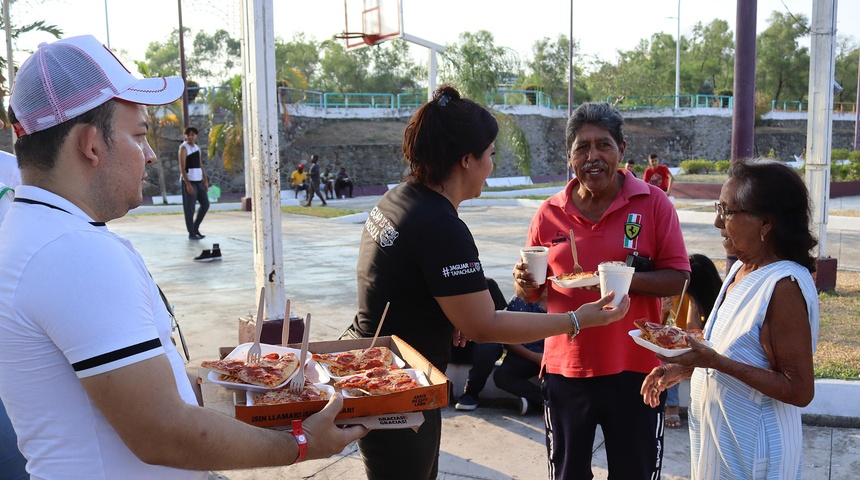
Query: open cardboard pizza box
x=383 y=411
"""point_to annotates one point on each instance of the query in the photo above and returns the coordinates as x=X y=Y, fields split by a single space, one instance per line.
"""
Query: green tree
x=213 y=59
x=711 y=56
x=477 y=65
x=646 y=70
x=342 y=71
x=15 y=32
x=159 y=117
x=549 y=70
x=394 y=70
x=298 y=56
x=227 y=138
x=782 y=64
x=847 y=57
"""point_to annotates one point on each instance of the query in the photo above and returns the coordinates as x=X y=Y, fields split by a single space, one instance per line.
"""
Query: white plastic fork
x=298 y=382
x=254 y=353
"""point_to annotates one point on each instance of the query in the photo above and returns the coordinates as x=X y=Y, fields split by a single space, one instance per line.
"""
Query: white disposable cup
x=536 y=258
x=615 y=278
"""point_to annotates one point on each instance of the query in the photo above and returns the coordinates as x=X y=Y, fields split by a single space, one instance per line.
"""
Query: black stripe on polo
x=115 y=355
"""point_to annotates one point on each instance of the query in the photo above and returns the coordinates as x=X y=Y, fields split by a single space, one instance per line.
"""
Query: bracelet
x=574 y=323
x=301 y=439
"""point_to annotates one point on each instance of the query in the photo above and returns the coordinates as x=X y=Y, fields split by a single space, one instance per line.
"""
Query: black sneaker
x=200 y=235
x=216 y=253
x=194 y=236
x=208 y=256
x=467 y=402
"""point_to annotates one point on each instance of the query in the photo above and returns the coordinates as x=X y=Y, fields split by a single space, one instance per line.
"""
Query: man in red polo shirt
x=658 y=175
x=594 y=378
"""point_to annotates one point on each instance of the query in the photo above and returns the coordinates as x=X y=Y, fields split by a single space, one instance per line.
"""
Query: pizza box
x=434 y=395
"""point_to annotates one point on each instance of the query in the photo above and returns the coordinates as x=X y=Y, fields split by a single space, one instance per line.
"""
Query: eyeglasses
x=724 y=213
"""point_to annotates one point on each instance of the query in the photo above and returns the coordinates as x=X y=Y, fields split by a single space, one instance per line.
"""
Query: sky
x=602 y=27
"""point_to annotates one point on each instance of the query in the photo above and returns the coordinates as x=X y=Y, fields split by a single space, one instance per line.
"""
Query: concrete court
x=319 y=260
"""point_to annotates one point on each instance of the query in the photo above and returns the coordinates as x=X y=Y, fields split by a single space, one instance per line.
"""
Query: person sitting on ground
x=520 y=363
x=658 y=175
x=343 y=181
x=629 y=167
x=327 y=179
x=299 y=180
x=691 y=313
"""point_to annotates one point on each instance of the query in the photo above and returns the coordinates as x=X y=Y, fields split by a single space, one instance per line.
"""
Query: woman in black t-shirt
x=418 y=255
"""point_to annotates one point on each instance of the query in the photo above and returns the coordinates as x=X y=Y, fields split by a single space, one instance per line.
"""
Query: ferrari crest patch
x=631 y=230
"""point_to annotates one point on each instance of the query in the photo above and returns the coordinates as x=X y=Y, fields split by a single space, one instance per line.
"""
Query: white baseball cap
x=70 y=77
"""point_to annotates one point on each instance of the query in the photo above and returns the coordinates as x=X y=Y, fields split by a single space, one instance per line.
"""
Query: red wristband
x=301 y=439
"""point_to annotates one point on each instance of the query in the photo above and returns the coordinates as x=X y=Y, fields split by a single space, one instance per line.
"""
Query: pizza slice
x=348 y=363
x=310 y=393
x=378 y=381
x=272 y=370
x=664 y=336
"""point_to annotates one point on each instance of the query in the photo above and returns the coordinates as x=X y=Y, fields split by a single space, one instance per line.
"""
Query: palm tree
x=227 y=137
x=16 y=32
x=160 y=116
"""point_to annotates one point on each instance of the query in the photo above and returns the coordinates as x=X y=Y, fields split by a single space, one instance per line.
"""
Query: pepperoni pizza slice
x=348 y=363
x=664 y=336
x=378 y=381
x=272 y=370
x=310 y=393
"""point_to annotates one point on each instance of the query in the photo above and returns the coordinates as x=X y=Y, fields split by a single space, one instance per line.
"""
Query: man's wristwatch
x=301 y=439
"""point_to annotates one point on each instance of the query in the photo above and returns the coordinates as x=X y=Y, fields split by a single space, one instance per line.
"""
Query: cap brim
x=154 y=91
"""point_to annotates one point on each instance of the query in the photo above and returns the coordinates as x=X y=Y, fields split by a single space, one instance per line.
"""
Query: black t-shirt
x=414 y=247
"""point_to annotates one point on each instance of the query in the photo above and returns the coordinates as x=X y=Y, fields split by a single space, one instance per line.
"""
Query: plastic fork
x=298 y=382
x=375 y=336
x=577 y=268
x=673 y=316
x=254 y=353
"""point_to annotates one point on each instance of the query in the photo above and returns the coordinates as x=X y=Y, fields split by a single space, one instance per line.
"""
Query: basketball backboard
x=370 y=22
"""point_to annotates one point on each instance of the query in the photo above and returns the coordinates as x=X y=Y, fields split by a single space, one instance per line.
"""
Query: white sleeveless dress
x=736 y=432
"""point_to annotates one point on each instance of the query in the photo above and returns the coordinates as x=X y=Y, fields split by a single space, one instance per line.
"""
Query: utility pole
x=570 y=83
x=9 y=63
x=743 y=114
x=857 y=111
x=819 y=130
x=186 y=121
x=678 y=62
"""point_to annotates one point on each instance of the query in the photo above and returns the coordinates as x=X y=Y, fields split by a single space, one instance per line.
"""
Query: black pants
x=188 y=200
x=404 y=454
x=483 y=362
x=340 y=185
x=513 y=376
x=633 y=431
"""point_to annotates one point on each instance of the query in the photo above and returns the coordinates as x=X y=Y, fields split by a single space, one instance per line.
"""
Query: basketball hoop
x=368 y=40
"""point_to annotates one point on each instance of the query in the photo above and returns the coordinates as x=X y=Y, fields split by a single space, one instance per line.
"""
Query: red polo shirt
x=640 y=219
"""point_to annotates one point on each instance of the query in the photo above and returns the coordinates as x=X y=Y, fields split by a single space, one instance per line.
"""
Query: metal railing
x=310 y=98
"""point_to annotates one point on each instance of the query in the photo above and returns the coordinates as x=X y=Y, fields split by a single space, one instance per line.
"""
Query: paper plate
x=240 y=353
x=576 y=282
x=636 y=335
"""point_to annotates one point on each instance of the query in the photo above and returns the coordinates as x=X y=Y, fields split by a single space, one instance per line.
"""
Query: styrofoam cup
x=536 y=258
x=615 y=277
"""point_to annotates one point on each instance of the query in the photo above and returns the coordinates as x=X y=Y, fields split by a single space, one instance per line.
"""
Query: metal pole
x=9 y=63
x=743 y=115
x=819 y=125
x=678 y=62
x=107 y=25
x=857 y=110
x=186 y=121
x=570 y=83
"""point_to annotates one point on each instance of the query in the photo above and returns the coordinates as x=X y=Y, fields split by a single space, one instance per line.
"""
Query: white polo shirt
x=75 y=301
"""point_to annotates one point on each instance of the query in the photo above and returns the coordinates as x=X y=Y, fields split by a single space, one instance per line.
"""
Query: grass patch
x=702 y=178
x=838 y=354
x=321 y=212
x=520 y=187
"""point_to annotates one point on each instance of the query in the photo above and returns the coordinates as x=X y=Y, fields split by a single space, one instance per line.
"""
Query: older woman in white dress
x=747 y=391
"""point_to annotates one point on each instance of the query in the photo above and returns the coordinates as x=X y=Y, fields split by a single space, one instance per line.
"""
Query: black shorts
x=633 y=431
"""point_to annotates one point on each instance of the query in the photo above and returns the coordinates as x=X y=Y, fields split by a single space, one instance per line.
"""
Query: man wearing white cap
x=90 y=379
